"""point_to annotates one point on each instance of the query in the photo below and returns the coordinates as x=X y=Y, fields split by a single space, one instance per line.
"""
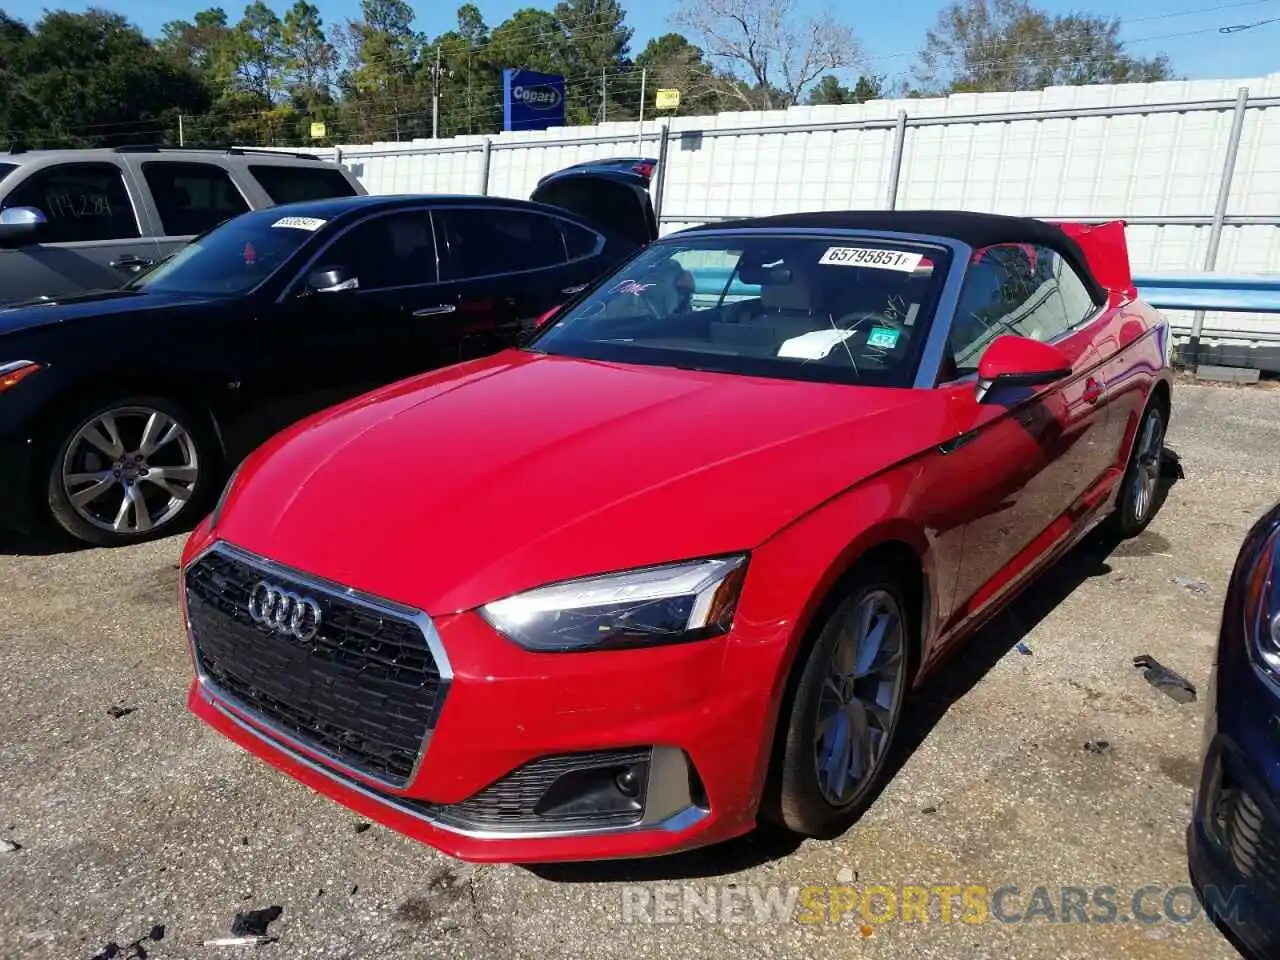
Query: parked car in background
x=671 y=568
x=1234 y=837
x=120 y=412
x=72 y=221
x=640 y=166
x=620 y=181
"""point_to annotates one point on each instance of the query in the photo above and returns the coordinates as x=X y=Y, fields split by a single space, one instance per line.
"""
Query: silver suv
x=78 y=220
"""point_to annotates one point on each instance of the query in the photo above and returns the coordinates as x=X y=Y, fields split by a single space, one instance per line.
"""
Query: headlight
x=14 y=372
x=673 y=603
x=1262 y=609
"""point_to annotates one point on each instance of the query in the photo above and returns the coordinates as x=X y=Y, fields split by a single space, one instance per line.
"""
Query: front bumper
x=697 y=728
x=1233 y=841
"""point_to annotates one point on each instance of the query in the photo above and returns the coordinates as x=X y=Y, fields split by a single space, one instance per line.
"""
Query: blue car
x=1233 y=842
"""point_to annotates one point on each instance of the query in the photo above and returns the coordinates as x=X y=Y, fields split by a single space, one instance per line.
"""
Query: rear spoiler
x=1106 y=251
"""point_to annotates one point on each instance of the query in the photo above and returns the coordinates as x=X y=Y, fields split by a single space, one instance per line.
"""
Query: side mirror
x=528 y=333
x=543 y=320
x=1014 y=361
x=332 y=280
x=17 y=223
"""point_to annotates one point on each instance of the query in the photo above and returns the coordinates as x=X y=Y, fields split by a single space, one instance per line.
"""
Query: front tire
x=1139 y=499
x=845 y=710
x=127 y=471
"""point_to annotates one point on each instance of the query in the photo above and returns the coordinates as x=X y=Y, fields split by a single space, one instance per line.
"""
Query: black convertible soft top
x=975 y=229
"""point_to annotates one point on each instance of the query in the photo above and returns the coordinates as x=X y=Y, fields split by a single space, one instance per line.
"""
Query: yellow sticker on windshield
x=869 y=257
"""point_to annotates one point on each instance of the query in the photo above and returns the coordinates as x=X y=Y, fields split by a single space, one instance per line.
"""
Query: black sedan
x=1234 y=837
x=121 y=413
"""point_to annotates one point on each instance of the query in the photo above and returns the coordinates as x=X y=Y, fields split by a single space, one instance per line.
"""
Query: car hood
x=26 y=314
x=491 y=477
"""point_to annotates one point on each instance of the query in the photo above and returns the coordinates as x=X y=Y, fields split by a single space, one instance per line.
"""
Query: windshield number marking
x=868 y=257
x=311 y=224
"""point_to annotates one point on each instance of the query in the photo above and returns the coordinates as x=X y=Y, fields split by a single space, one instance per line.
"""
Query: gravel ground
x=148 y=818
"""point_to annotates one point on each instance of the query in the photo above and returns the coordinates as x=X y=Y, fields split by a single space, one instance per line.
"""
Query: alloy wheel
x=860 y=698
x=1147 y=455
x=130 y=470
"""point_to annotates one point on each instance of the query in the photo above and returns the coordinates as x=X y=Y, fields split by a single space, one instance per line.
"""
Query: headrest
x=789 y=290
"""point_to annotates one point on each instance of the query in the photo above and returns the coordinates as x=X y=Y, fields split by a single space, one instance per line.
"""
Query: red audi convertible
x=673 y=567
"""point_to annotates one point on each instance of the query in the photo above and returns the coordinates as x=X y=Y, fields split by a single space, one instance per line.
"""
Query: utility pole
x=437 y=72
x=604 y=95
x=644 y=75
x=435 y=99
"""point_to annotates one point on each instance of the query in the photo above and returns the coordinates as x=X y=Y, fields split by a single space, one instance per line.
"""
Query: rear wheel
x=128 y=471
x=1140 y=489
x=845 y=710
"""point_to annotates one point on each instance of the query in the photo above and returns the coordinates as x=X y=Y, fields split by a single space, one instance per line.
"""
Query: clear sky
x=1187 y=30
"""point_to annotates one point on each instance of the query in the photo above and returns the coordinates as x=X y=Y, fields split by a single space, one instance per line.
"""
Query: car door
x=93 y=237
x=505 y=266
x=1024 y=459
x=187 y=198
x=351 y=337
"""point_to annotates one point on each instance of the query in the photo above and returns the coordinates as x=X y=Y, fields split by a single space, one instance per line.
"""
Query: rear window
x=6 y=169
x=286 y=184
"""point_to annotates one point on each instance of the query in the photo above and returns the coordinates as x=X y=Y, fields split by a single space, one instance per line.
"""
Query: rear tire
x=127 y=471
x=842 y=718
x=1140 y=495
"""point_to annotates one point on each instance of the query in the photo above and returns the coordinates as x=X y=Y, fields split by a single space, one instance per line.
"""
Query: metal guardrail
x=1250 y=293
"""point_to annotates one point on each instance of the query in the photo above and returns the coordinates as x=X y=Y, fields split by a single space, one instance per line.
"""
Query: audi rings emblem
x=284 y=612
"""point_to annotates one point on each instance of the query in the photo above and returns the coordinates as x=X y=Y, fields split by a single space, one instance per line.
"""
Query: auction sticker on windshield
x=300 y=223
x=869 y=257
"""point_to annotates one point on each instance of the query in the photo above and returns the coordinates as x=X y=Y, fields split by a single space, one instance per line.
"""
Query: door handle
x=435 y=311
x=576 y=288
x=131 y=262
x=1092 y=391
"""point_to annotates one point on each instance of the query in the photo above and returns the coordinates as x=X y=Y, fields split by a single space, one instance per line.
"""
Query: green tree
x=830 y=91
x=205 y=44
x=673 y=63
x=259 y=45
x=86 y=79
x=597 y=40
x=985 y=45
x=470 y=86
x=531 y=39
x=309 y=58
x=380 y=81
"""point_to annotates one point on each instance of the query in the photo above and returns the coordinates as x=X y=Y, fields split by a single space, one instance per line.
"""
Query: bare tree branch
x=769 y=44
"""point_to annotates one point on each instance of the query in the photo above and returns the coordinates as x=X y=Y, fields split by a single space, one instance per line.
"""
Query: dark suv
x=79 y=220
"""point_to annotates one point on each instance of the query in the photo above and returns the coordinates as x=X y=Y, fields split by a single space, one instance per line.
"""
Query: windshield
x=838 y=309
x=230 y=259
x=6 y=169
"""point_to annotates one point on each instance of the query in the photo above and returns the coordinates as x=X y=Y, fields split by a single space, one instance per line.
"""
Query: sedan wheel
x=845 y=710
x=1140 y=491
x=126 y=473
x=859 y=698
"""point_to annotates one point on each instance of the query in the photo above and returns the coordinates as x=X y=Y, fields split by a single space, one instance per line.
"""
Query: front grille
x=1251 y=839
x=364 y=690
x=512 y=802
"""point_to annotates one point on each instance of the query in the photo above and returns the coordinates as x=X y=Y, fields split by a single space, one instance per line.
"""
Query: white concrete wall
x=1163 y=164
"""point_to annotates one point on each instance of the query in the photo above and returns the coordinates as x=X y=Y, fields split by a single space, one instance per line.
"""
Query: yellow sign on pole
x=666 y=99
x=317 y=131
